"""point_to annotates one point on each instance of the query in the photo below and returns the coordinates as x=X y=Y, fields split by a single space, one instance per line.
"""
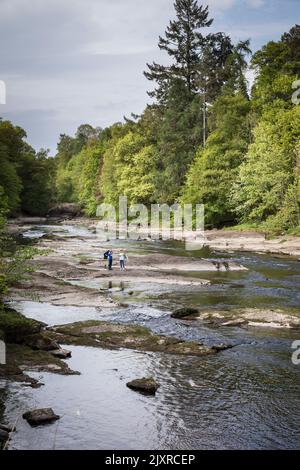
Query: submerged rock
x=184 y=312
x=40 y=416
x=222 y=347
x=61 y=353
x=144 y=385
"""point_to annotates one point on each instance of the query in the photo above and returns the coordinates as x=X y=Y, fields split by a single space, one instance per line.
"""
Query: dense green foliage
x=79 y=162
x=215 y=168
x=26 y=177
x=204 y=139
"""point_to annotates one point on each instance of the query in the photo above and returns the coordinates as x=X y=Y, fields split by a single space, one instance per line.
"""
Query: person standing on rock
x=110 y=260
x=105 y=257
x=123 y=259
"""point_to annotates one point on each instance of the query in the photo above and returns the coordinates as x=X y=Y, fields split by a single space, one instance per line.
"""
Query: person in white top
x=123 y=258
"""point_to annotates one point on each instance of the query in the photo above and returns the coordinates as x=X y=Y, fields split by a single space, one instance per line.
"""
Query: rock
x=40 y=416
x=237 y=322
x=184 y=312
x=61 y=353
x=111 y=335
x=4 y=427
x=41 y=342
x=65 y=209
x=144 y=385
x=222 y=347
x=16 y=327
x=4 y=435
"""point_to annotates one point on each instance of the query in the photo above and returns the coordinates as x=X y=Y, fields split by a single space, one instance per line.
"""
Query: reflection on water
x=54 y=314
x=247 y=397
x=225 y=402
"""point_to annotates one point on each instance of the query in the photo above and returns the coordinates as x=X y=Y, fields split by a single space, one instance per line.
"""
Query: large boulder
x=69 y=209
x=40 y=416
x=144 y=385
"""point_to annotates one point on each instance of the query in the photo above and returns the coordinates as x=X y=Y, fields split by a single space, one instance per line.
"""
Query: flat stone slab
x=144 y=385
x=40 y=416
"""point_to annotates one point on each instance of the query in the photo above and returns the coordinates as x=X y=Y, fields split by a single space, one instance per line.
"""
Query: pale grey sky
x=68 y=62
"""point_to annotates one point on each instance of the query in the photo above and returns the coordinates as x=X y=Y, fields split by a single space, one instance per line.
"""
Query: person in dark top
x=105 y=256
x=110 y=260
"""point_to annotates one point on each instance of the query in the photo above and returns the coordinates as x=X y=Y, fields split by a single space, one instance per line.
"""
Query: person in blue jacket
x=110 y=260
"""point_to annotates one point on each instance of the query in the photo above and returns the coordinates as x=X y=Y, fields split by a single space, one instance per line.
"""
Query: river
x=247 y=397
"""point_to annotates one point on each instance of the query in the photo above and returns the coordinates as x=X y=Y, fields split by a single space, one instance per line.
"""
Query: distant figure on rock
x=110 y=260
x=123 y=258
x=105 y=257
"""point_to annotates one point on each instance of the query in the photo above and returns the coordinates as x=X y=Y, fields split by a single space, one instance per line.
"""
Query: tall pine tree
x=183 y=42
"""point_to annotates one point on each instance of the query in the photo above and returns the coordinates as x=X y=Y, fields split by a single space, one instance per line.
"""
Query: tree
x=3 y=208
x=214 y=170
x=269 y=171
x=177 y=139
x=86 y=134
x=277 y=65
x=183 y=42
x=11 y=147
x=129 y=168
x=70 y=161
x=37 y=174
x=222 y=64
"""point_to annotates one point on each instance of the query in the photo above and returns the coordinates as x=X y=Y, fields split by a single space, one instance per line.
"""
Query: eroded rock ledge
x=28 y=347
x=108 y=335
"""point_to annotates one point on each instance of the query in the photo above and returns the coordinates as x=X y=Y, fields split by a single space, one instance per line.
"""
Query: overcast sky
x=68 y=62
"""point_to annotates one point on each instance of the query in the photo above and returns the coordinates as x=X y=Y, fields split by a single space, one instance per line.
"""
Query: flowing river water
x=247 y=397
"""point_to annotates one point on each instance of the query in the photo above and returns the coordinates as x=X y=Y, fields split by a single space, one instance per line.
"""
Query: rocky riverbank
x=228 y=240
x=123 y=338
x=73 y=260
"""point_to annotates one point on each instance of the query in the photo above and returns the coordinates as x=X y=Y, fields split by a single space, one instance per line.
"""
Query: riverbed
x=246 y=397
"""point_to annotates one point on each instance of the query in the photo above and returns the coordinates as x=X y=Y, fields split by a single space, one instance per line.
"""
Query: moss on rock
x=15 y=327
